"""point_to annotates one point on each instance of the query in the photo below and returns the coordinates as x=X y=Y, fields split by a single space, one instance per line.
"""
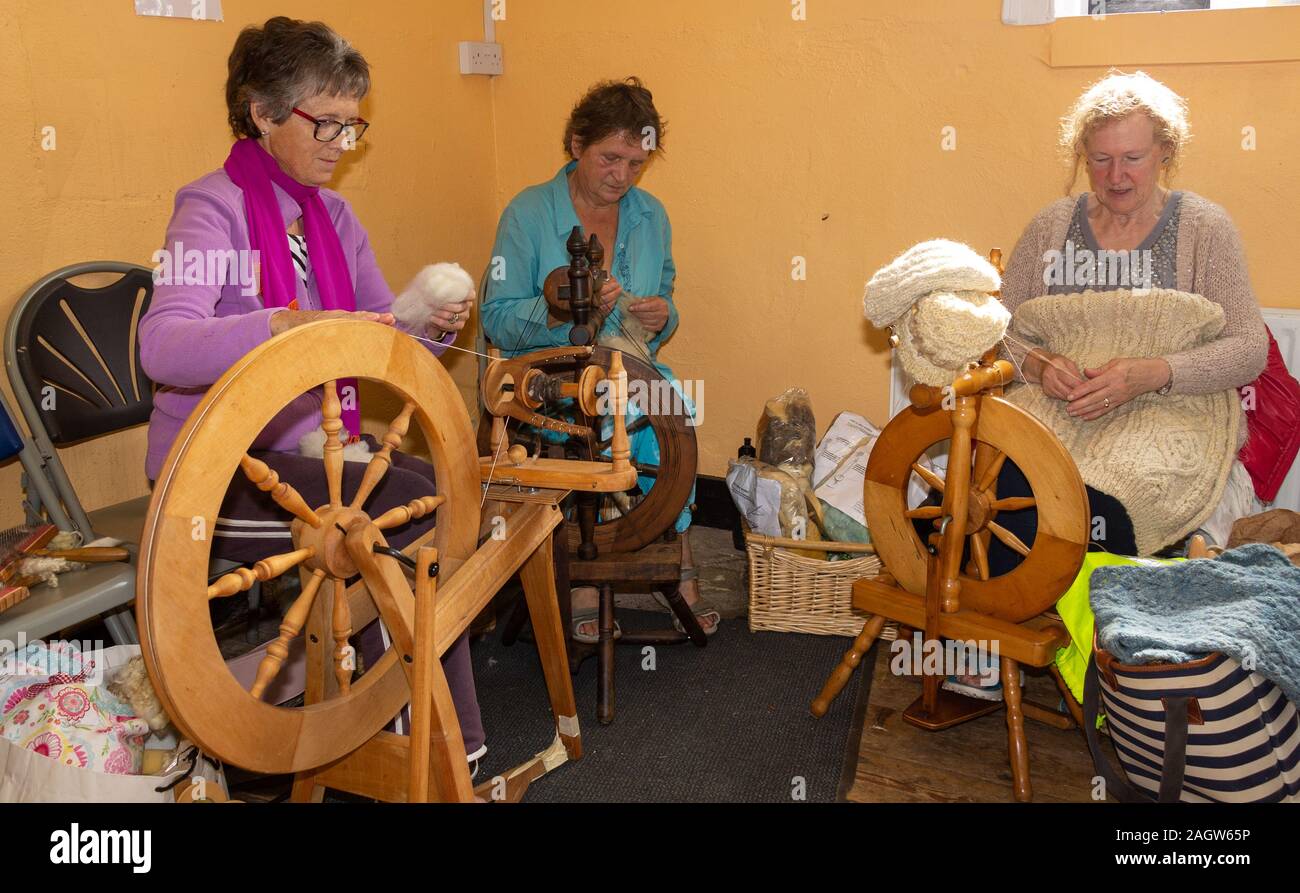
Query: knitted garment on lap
x=1166 y=459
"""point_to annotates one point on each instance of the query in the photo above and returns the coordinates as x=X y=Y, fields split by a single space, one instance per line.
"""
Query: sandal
x=988 y=690
x=701 y=609
x=587 y=615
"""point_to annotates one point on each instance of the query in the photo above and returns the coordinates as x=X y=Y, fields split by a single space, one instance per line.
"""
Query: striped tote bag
x=1207 y=731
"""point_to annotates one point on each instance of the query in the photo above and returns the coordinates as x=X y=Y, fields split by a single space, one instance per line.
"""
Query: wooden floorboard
x=898 y=762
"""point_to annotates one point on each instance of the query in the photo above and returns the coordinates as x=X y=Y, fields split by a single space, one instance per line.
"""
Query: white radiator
x=1285 y=325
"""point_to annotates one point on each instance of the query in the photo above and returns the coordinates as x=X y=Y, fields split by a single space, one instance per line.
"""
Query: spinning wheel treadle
x=330 y=544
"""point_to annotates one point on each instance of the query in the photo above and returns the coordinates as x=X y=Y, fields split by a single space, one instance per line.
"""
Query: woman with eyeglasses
x=293 y=95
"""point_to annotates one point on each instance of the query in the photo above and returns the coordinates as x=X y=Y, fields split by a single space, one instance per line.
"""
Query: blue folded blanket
x=1245 y=603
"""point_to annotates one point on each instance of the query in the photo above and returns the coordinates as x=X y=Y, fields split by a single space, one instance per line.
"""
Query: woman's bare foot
x=690 y=590
x=583 y=598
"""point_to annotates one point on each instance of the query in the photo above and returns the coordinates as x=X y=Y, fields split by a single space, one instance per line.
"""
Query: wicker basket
x=794 y=594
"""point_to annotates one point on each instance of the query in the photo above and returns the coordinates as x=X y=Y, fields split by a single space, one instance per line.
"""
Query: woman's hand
x=1059 y=375
x=452 y=316
x=609 y=293
x=652 y=312
x=288 y=319
x=1115 y=384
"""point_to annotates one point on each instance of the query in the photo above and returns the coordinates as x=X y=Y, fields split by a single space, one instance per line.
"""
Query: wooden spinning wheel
x=336 y=739
x=537 y=389
x=925 y=586
x=625 y=520
x=1001 y=432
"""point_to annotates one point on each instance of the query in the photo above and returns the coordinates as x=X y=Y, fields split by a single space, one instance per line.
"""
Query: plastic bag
x=787 y=433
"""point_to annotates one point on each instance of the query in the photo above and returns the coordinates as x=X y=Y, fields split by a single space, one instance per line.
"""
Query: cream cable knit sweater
x=1211 y=263
x=1166 y=459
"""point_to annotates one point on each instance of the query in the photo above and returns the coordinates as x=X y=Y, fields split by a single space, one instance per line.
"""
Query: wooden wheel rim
x=200 y=695
x=678 y=454
x=1062 y=502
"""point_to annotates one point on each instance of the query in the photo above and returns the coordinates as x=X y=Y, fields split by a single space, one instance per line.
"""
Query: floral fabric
x=53 y=701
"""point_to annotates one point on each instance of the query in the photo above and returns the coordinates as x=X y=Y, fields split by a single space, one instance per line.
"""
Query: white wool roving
x=313 y=447
x=953 y=329
x=432 y=287
x=937 y=265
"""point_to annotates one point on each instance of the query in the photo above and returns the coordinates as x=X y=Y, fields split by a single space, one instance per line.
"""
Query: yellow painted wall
x=822 y=138
x=139 y=110
x=818 y=138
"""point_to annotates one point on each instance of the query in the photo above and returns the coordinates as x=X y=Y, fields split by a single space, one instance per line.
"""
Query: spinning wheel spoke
x=417 y=508
x=381 y=460
x=991 y=473
x=286 y=497
x=640 y=424
x=1013 y=503
x=278 y=651
x=646 y=470
x=332 y=423
x=979 y=554
x=928 y=476
x=342 y=629
x=924 y=511
x=242 y=578
x=1009 y=539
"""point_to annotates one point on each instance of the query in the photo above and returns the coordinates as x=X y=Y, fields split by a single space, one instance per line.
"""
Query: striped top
x=298 y=249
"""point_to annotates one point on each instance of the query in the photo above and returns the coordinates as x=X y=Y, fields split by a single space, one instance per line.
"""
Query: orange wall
x=822 y=138
x=817 y=138
x=139 y=110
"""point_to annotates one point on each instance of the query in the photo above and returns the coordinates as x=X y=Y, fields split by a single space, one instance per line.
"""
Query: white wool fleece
x=312 y=445
x=432 y=287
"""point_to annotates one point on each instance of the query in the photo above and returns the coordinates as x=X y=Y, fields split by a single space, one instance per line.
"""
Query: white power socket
x=481 y=58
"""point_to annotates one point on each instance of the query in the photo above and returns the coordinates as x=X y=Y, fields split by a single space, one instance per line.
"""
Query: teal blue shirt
x=530 y=243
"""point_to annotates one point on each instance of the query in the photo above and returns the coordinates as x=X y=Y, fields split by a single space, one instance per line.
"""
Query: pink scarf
x=253 y=170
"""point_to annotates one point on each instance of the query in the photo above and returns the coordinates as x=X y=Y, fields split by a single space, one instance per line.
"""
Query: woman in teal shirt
x=611 y=134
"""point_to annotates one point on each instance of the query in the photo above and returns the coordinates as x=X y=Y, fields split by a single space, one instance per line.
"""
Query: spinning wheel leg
x=605 y=657
x=1017 y=746
x=840 y=675
x=538 y=577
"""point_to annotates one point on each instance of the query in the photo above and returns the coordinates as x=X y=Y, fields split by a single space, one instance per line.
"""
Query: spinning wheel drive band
x=647 y=520
x=197 y=690
x=1003 y=432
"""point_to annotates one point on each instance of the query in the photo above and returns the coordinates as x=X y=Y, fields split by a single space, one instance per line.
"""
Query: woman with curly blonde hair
x=1133 y=324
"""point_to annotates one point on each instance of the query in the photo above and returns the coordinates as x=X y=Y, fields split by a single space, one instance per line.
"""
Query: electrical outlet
x=481 y=58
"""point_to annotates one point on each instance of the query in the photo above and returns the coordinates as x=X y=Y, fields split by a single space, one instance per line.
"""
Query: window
x=1067 y=8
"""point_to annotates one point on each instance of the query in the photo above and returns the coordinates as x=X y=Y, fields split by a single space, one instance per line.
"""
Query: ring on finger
x=455 y=316
x=1105 y=402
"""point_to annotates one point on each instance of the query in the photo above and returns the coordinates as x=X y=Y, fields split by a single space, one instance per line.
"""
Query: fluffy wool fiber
x=938 y=265
x=131 y=683
x=947 y=332
x=432 y=287
x=313 y=447
x=1165 y=458
x=632 y=335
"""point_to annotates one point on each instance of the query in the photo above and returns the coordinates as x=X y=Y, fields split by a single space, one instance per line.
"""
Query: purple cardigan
x=193 y=333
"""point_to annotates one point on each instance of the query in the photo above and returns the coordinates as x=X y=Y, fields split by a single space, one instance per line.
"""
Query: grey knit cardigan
x=1211 y=262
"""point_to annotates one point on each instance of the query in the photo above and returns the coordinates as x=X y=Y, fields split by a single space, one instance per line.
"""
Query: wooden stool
x=656 y=566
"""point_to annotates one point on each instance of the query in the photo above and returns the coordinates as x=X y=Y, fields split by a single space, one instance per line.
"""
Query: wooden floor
x=900 y=763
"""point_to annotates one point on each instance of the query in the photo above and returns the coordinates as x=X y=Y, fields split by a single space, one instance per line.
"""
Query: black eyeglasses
x=327 y=131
